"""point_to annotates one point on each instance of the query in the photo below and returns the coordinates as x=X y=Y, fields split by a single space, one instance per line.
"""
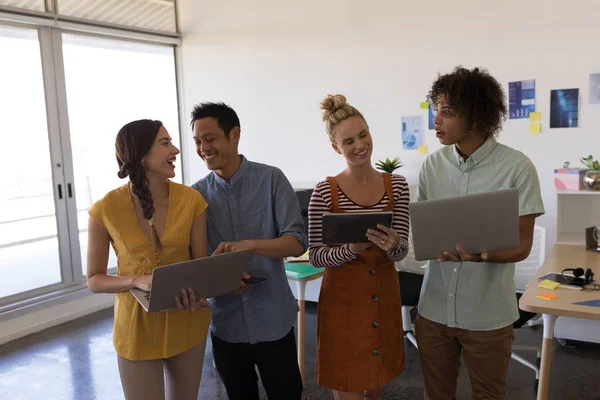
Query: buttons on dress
x=375 y=352
x=375 y=298
x=372 y=271
x=375 y=324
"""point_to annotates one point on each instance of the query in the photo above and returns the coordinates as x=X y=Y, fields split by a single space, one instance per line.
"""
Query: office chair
x=524 y=272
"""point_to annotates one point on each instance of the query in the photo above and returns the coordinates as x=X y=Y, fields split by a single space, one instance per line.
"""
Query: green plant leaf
x=388 y=165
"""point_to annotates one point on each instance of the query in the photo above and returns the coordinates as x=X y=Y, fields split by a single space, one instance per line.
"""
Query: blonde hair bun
x=331 y=104
x=335 y=110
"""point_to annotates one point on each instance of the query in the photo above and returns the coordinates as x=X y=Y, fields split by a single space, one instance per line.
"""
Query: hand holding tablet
x=353 y=228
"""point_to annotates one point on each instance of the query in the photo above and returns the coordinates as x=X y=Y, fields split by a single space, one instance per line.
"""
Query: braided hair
x=133 y=142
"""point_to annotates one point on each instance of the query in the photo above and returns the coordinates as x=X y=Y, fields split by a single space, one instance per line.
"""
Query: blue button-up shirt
x=257 y=203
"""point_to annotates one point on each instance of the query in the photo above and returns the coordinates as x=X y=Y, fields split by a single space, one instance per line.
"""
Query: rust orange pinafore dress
x=359 y=329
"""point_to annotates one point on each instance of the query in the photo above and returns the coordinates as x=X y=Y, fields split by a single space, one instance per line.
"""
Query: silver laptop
x=208 y=276
x=477 y=222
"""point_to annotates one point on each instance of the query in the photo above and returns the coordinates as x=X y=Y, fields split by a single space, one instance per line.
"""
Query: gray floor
x=77 y=361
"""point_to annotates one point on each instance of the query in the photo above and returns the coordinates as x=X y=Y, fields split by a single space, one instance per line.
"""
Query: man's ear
x=234 y=134
x=334 y=146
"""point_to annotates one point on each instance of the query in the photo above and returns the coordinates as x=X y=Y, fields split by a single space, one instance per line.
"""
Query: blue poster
x=412 y=132
x=430 y=117
x=521 y=99
x=564 y=108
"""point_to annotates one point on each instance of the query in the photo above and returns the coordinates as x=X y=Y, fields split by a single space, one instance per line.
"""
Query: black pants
x=277 y=364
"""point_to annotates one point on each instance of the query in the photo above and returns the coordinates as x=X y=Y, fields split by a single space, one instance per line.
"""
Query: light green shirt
x=475 y=296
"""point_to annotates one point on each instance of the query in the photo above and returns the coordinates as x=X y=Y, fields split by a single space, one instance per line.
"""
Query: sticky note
x=548 y=284
x=535 y=116
x=547 y=296
x=424 y=105
x=535 y=128
x=423 y=149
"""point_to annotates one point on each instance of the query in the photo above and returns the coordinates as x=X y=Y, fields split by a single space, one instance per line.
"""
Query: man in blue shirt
x=250 y=206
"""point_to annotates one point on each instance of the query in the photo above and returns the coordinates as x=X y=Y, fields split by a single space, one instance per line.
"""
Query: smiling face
x=353 y=141
x=219 y=151
x=160 y=160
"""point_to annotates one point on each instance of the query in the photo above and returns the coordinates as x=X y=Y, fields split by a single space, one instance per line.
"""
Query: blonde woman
x=359 y=328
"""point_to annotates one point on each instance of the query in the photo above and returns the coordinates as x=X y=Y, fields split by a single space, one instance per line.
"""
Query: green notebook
x=301 y=270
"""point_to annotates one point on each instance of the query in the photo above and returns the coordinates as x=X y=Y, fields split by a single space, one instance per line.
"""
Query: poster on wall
x=564 y=108
x=430 y=117
x=594 y=88
x=412 y=132
x=521 y=98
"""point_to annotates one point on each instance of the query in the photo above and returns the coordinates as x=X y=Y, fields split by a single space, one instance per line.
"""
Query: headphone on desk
x=579 y=274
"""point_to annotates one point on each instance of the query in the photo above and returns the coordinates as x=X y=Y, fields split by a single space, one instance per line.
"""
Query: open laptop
x=208 y=276
x=477 y=222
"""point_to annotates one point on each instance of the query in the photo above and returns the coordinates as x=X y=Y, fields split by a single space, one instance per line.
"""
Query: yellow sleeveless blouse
x=139 y=335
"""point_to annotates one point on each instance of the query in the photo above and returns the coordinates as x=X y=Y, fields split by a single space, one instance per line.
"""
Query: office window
x=110 y=83
x=157 y=15
x=29 y=253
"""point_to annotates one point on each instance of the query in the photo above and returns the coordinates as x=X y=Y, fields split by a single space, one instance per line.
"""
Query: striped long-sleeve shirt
x=322 y=255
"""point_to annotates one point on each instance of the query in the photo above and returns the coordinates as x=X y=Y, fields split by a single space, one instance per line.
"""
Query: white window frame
x=50 y=27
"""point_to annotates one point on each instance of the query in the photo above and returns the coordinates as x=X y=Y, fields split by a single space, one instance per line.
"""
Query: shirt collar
x=479 y=155
x=239 y=174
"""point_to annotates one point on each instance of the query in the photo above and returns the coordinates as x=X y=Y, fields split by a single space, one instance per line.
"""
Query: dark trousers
x=277 y=364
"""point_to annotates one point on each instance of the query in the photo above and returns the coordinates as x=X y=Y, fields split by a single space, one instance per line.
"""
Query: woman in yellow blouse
x=150 y=222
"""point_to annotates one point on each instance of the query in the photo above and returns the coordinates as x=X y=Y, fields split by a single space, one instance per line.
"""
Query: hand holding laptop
x=463 y=256
x=188 y=301
x=143 y=282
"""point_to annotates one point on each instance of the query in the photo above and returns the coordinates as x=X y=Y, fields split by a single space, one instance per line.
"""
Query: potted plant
x=388 y=165
x=591 y=179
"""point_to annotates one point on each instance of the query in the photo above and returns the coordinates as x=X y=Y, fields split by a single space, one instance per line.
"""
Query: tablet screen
x=345 y=228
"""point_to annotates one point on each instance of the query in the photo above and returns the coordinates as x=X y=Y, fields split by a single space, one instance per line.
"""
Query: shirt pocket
x=256 y=222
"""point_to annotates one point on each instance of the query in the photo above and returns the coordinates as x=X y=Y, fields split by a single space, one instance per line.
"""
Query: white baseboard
x=48 y=317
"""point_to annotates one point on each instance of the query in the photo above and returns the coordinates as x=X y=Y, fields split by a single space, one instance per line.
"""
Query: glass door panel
x=110 y=83
x=29 y=249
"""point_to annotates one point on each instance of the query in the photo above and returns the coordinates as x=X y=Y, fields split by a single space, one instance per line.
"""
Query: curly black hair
x=476 y=95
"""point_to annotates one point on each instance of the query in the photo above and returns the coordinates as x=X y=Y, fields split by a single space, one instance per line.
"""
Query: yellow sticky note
x=548 y=284
x=547 y=296
x=424 y=105
x=423 y=149
x=535 y=116
x=535 y=128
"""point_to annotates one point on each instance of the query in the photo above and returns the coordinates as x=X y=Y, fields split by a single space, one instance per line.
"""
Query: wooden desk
x=559 y=258
x=299 y=273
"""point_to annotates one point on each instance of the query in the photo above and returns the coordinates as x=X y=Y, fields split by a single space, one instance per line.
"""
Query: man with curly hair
x=468 y=302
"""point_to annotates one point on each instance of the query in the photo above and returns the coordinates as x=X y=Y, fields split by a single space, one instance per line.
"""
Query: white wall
x=274 y=61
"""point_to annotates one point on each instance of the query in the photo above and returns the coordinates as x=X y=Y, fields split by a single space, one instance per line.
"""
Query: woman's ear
x=335 y=148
